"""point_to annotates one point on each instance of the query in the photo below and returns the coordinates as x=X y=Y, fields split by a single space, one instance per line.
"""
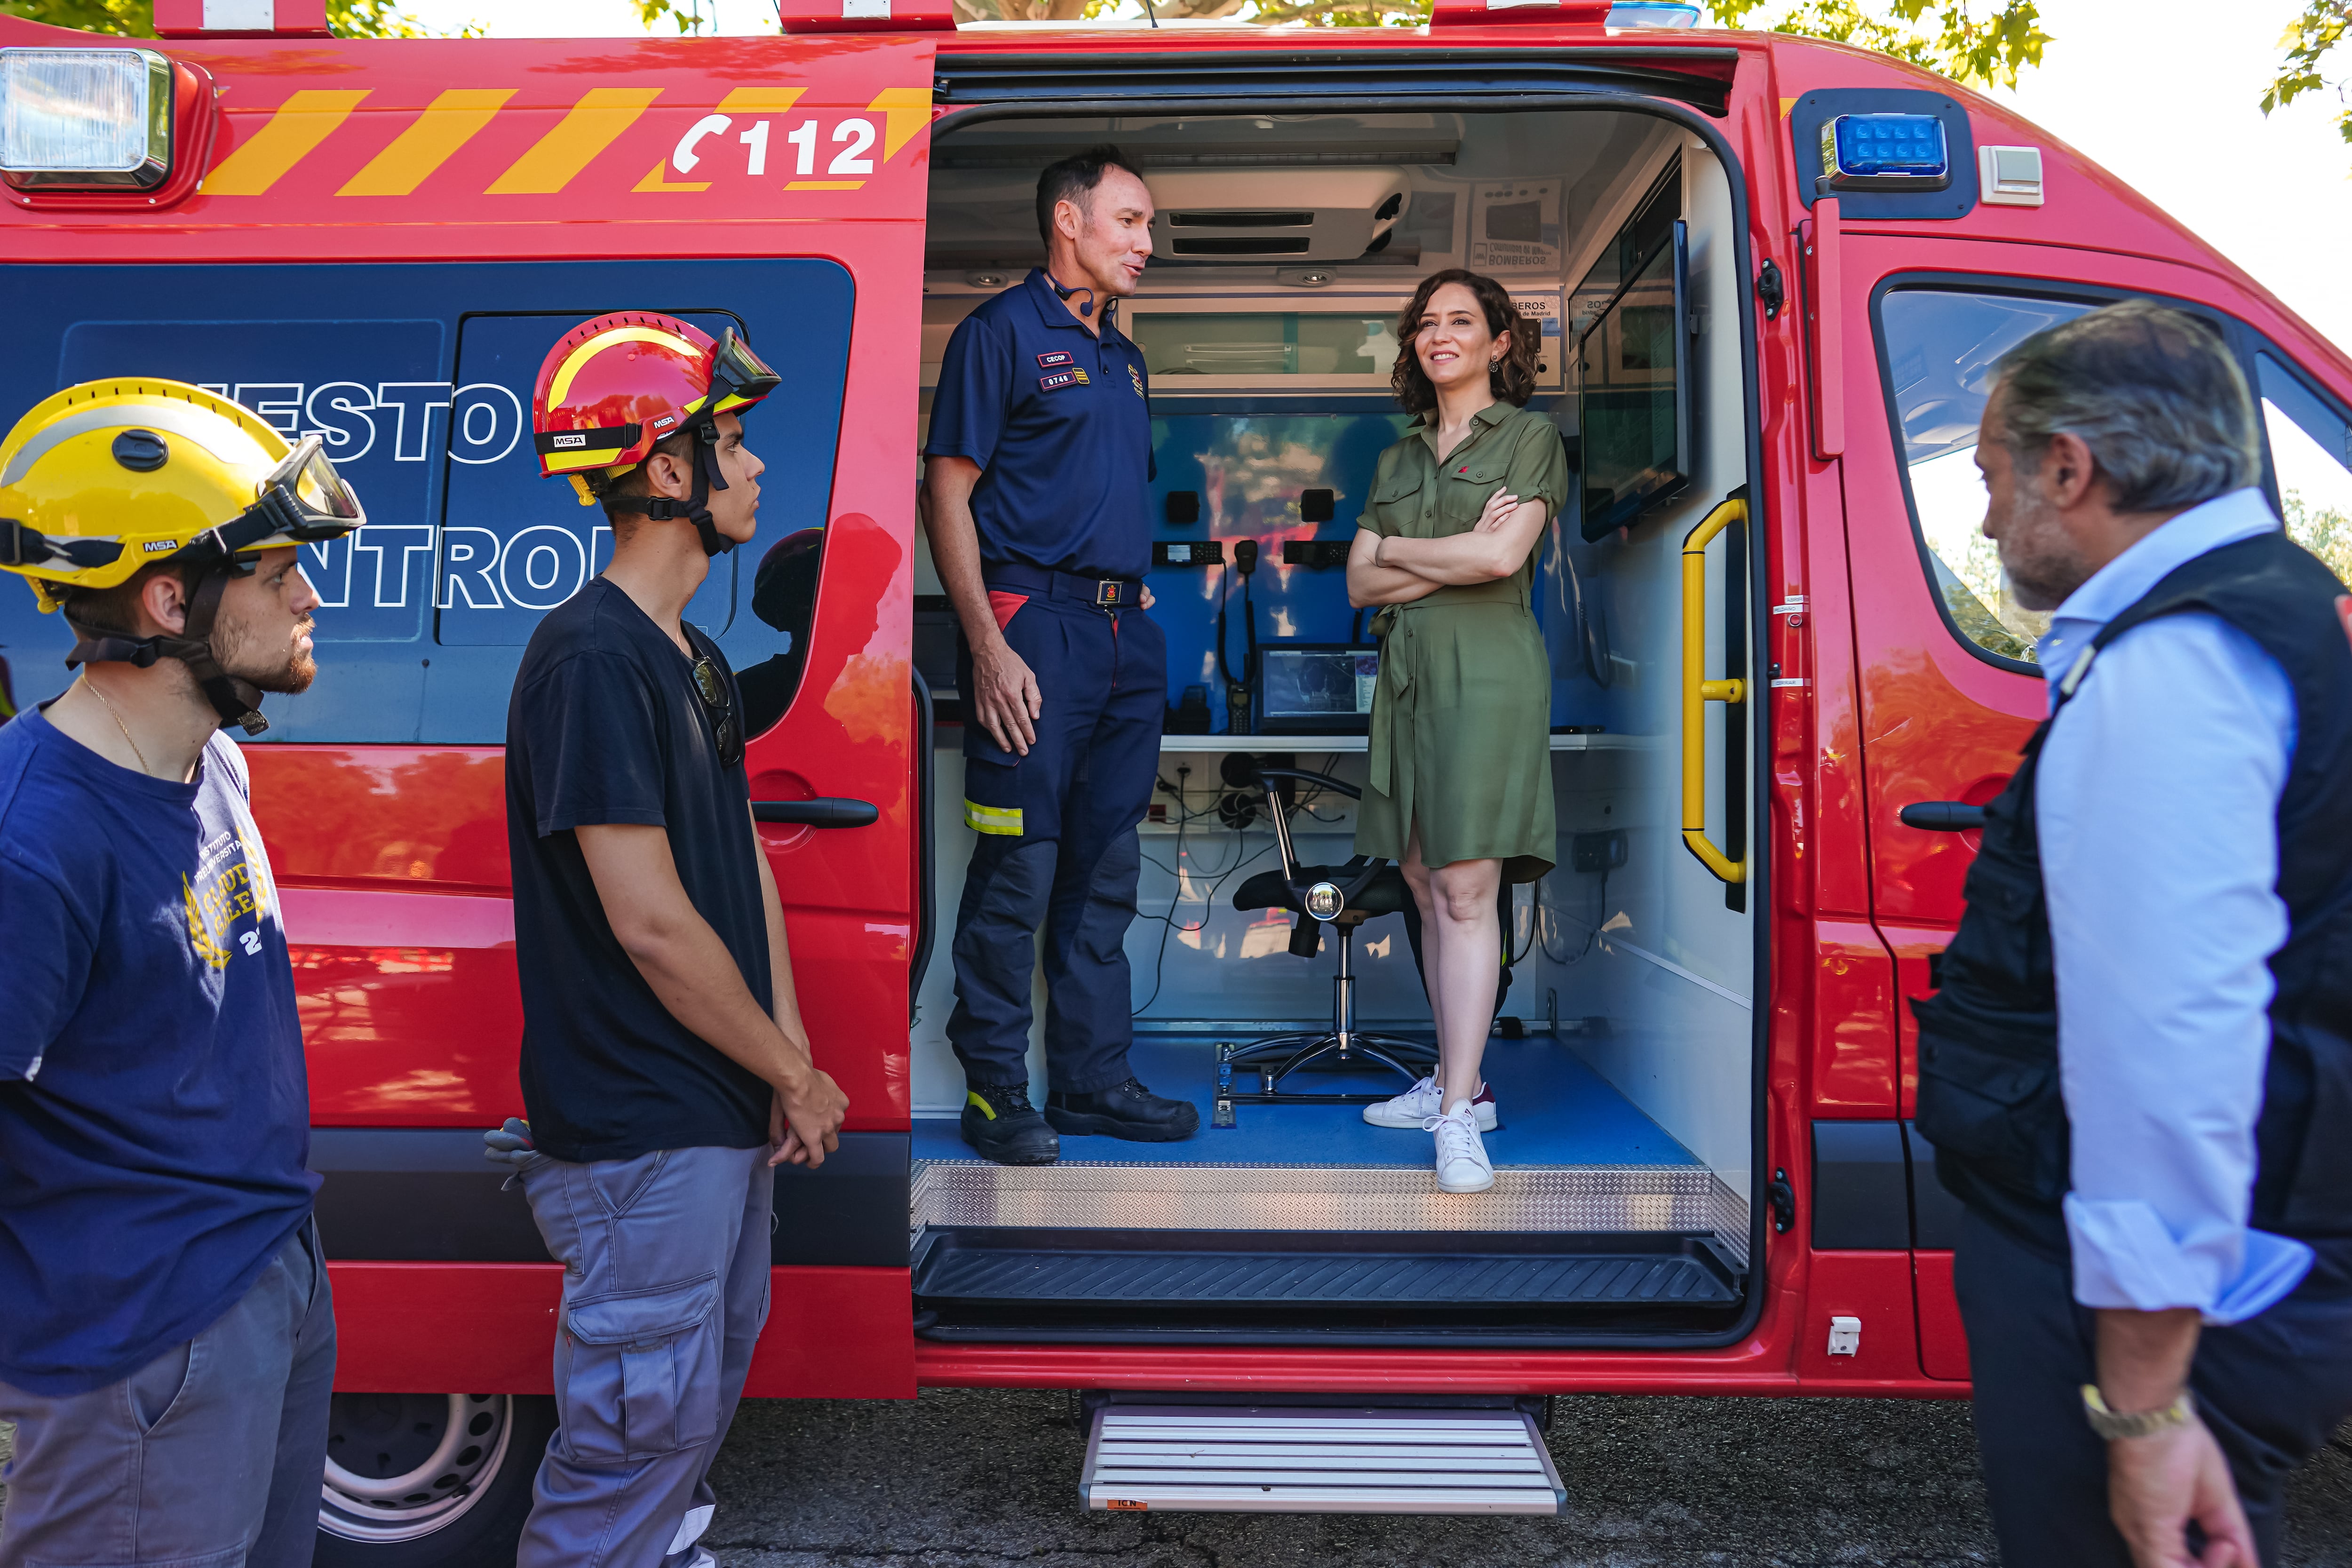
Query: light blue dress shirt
x=2156 y=803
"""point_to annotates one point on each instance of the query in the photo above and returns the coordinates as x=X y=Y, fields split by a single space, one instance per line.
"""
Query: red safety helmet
x=614 y=386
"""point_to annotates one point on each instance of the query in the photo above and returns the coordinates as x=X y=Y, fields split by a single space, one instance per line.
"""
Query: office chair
x=1339 y=896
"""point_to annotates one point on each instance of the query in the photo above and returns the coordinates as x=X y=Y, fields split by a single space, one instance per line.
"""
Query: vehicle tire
x=430 y=1480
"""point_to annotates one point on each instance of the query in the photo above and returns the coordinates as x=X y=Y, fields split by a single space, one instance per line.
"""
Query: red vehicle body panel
x=392 y=859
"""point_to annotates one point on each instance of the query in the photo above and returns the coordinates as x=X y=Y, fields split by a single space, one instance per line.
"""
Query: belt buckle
x=1107 y=593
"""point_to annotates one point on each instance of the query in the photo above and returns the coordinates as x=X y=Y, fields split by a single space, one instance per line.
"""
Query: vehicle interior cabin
x=1626 y=1058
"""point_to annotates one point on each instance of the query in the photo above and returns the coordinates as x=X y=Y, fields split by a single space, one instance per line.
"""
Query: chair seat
x=1385 y=894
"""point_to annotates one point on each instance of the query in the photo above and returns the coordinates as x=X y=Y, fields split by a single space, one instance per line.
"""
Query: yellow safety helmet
x=109 y=476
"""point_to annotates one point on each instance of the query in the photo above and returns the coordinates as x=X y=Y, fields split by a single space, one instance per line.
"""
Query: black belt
x=1103 y=592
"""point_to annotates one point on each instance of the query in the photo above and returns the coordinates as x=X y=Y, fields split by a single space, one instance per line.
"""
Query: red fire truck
x=1770 y=275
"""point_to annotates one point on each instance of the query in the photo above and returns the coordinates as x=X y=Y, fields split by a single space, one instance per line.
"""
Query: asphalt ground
x=981 y=1479
x=985 y=1479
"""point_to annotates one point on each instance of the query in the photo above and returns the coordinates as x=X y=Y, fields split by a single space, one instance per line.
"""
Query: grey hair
x=2153 y=392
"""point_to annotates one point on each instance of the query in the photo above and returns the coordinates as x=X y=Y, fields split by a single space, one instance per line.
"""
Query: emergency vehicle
x=1769 y=275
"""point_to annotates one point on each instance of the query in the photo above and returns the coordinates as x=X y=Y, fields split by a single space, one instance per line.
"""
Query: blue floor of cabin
x=1555 y=1111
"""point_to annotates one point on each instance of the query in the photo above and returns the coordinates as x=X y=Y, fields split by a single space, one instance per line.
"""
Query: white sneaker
x=1461 y=1162
x=1416 y=1105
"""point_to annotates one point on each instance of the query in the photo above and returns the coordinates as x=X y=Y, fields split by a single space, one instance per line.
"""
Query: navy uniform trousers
x=1057 y=844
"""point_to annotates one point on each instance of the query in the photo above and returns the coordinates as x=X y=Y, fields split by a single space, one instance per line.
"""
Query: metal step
x=1080 y=1195
x=1271 y=1459
x=986 y=1267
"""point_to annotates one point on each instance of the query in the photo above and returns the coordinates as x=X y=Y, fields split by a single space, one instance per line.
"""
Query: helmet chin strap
x=696 y=507
x=236 y=701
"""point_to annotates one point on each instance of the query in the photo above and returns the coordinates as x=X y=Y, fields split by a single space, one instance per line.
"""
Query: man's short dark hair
x=1074 y=179
x=116 y=609
x=2153 y=392
x=678 y=445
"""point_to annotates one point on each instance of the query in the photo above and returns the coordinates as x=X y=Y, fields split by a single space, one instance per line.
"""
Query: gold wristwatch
x=2111 y=1425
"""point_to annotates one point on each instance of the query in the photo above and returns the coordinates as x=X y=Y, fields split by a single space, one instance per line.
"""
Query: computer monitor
x=1314 y=689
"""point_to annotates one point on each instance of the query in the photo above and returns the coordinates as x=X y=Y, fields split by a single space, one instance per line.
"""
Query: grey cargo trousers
x=208 y=1457
x=665 y=1262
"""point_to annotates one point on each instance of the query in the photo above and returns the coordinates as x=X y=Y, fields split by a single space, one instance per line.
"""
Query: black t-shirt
x=605 y=727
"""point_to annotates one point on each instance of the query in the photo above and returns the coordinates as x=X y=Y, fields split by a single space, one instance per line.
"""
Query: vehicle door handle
x=1698 y=691
x=1942 y=815
x=824 y=811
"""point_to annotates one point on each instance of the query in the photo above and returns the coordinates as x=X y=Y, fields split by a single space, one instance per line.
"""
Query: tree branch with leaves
x=2307 y=39
x=1941 y=34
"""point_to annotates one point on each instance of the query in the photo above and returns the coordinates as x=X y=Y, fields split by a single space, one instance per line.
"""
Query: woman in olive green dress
x=1460 y=788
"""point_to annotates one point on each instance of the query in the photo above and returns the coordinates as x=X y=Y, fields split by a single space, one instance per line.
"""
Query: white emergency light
x=85 y=118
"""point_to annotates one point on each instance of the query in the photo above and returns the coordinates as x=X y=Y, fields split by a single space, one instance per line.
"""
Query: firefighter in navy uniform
x=1036 y=501
x=2138 y=1072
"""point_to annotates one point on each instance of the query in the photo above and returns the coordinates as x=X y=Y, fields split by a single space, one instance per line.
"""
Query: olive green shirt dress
x=1461 y=719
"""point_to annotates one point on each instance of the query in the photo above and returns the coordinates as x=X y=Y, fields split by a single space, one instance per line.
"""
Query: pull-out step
x=1004 y=1282
x=1305 y=1460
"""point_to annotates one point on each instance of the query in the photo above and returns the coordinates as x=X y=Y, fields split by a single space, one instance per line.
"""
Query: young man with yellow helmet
x=168 y=1346
x=665 y=1067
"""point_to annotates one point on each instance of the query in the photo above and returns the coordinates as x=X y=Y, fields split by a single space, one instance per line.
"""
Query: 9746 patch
x=1136 y=376
x=1072 y=378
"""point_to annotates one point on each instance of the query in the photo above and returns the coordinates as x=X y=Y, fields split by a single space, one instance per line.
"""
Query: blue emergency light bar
x=1884 y=153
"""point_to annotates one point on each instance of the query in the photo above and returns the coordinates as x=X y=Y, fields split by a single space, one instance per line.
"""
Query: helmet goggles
x=737 y=376
x=303 y=500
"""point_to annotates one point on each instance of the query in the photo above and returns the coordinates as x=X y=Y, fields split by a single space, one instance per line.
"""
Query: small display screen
x=1326 y=687
x=1634 y=396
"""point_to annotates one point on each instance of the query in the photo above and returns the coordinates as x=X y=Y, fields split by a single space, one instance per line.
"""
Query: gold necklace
x=118 y=724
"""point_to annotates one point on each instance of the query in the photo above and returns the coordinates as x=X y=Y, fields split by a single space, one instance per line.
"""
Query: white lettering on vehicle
x=479 y=424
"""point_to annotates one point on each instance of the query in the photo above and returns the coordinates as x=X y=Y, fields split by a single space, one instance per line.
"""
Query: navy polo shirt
x=1058 y=422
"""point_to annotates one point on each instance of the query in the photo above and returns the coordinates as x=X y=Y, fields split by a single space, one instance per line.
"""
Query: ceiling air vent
x=1290 y=214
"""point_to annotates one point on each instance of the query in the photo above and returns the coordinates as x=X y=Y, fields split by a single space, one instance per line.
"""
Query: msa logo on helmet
x=664 y=423
x=160 y=546
x=576 y=440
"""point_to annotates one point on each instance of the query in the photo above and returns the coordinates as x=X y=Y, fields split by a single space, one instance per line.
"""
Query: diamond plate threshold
x=1294 y=1459
x=983 y=1283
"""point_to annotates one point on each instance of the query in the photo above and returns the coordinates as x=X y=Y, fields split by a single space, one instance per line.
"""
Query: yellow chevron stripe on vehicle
x=447 y=123
x=303 y=122
x=557 y=158
x=907 y=110
x=997 y=819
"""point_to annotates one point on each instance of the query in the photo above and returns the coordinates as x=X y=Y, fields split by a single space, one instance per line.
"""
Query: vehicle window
x=2311 y=454
x=1940 y=345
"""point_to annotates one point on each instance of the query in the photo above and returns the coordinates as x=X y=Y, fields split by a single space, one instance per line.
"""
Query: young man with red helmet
x=665 y=1068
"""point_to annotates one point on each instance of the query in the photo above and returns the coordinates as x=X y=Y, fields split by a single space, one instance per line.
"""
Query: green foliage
x=136 y=18
x=2326 y=532
x=2307 y=39
x=1941 y=35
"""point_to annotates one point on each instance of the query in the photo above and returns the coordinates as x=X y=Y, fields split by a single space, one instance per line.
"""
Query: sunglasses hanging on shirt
x=726 y=729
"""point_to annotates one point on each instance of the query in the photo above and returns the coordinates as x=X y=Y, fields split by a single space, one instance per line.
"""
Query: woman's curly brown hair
x=1513 y=380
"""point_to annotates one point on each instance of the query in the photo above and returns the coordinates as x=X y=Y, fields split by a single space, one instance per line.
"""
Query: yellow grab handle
x=1698 y=691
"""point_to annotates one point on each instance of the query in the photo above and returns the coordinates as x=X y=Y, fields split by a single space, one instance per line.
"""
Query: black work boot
x=999 y=1121
x=1129 y=1111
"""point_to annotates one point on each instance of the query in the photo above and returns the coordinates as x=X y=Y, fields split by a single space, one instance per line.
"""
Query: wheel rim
x=404 y=1465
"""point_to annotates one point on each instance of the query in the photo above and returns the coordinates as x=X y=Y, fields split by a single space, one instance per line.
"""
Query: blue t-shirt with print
x=154 y=1114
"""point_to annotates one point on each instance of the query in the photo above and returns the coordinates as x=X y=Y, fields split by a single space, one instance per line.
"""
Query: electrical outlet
x=1846 y=1336
x=1603 y=852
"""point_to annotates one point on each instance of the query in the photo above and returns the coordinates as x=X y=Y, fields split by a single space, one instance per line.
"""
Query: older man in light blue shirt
x=2138 y=1069
x=2157 y=808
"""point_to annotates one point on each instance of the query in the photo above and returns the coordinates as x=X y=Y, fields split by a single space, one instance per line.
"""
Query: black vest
x=1989 y=1093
